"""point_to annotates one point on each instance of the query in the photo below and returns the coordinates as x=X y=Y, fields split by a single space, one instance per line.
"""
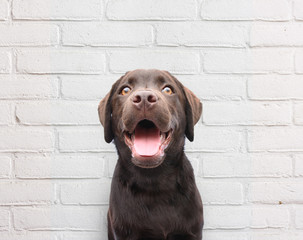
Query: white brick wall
x=243 y=59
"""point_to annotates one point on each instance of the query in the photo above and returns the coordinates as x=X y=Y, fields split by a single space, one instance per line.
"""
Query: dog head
x=149 y=112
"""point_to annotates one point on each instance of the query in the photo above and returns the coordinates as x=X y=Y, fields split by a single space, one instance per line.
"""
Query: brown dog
x=148 y=113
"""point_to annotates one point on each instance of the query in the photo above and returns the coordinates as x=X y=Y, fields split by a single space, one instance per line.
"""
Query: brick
x=216 y=87
x=176 y=62
x=296 y=235
x=60 y=218
x=226 y=235
x=299 y=165
x=249 y=61
x=220 y=217
x=29 y=34
x=6 y=114
x=57 y=9
x=269 y=10
x=277 y=235
x=3 y=10
x=275 y=87
x=107 y=34
x=270 y=217
x=90 y=140
x=58 y=113
x=220 y=192
x=28 y=87
x=276 y=139
x=85 y=235
x=276 y=192
x=298 y=113
x=5 y=62
x=273 y=34
x=151 y=10
x=59 y=166
x=26 y=140
x=203 y=34
x=4 y=220
x=60 y=61
x=247 y=165
x=26 y=193
x=28 y=236
x=96 y=87
x=214 y=140
x=299 y=217
x=5 y=166
x=248 y=113
x=299 y=62
x=298 y=9
x=89 y=193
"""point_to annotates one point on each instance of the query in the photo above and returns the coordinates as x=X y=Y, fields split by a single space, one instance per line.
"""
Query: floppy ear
x=193 y=110
x=105 y=112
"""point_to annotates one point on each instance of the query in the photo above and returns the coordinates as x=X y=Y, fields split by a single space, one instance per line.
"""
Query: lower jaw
x=147 y=162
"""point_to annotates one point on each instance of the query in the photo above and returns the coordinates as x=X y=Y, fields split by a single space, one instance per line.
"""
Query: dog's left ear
x=105 y=112
x=193 y=110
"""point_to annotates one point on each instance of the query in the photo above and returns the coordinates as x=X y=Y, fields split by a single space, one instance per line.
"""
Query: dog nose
x=145 y=98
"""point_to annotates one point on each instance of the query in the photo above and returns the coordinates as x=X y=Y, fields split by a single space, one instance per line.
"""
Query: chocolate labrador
x=148 y=113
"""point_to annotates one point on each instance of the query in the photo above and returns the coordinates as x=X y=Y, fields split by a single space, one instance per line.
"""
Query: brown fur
x=160 y=202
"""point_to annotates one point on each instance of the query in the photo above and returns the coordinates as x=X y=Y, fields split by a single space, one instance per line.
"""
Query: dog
x=148 y=114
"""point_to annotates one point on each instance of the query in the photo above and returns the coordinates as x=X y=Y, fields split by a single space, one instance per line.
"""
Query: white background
x=242 y=58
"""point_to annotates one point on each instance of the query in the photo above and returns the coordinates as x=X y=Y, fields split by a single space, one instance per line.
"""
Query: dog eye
x=125 y=91
x=167 y=90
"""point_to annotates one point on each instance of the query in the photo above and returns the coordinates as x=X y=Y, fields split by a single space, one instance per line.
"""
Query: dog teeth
x=162 y=138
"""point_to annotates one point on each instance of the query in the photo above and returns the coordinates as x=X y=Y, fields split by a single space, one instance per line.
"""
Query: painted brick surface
x=5 y=166
x=174 y=61
x=270 y=34
x=298 y=9
x=201 y=34
x=276 y=139
x=269 y=10
x=242 y=58
x=29 y=35
x=299 y=165
x=28 y=87
x=56 y=61
x=5 y=62
x=23 y=193
x=4 y=219
x=57 y=113
x=275 y=87
x=117 y=34
x=57 y=10
x=151 y=10
x=26 y=140
x=247 y=114
x=250 y=61
x=5 y=117
x=247 y=165
x=67 y=167
x=3 y=10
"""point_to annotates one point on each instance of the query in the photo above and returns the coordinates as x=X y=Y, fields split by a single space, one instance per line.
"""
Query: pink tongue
x=147 y=141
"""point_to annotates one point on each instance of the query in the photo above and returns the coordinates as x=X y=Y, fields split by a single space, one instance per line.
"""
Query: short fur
x=161 y=202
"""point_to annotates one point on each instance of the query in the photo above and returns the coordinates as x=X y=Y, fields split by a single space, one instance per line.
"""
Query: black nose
x=145 y=99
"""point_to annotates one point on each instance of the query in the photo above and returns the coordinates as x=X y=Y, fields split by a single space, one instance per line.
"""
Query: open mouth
x=147 y=143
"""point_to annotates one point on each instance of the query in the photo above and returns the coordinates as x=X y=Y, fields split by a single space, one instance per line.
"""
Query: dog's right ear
x=105 y=112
